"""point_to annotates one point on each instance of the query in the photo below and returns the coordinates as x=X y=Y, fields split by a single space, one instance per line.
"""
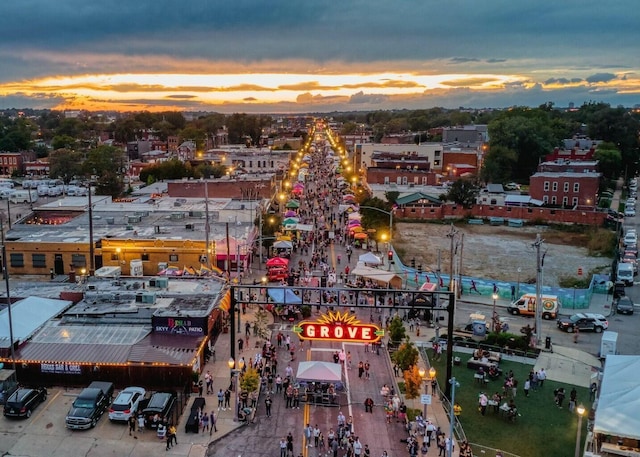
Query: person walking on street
x=283 y=447
x=267 y=405
x=220 y=400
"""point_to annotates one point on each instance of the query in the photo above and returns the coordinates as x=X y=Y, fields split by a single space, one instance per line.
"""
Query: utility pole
x=207 y=226
x=539 y=259
x=460 y=263
x=5 y=270
x=452 y=235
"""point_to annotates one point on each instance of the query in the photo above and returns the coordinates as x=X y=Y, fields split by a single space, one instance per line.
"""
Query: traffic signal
x=390 y=255
x=420 y=269
x=413 y=263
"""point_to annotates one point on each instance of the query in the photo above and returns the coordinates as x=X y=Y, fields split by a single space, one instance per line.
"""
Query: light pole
x=518 y=285
x=388 y=213
x=452 y=417
x=236 y=374
x=580 y=410
x=5 y=265
x=493 y=318
x=431 y=375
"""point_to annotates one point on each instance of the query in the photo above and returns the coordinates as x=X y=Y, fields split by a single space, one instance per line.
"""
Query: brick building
x=566 y=189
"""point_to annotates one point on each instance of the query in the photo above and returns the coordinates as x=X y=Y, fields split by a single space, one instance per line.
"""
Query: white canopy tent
x=384 y=277
x=619 y=401
x=319 y=372
x=370 y=258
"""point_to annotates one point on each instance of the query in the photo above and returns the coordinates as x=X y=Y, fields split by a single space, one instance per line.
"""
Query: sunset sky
x=317 y=56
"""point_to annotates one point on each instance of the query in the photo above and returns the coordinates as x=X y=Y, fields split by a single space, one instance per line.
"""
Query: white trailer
x=608 y=343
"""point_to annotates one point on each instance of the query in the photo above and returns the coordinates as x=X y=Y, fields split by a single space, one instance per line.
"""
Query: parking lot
x=45 y=434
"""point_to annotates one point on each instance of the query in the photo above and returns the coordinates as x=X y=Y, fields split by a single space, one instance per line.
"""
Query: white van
x=23 y=196
x=625 y=273
x=526 y=305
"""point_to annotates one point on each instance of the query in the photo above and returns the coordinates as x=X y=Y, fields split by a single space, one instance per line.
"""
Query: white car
x=630 y=238
x=630 y=212
x=126 y=403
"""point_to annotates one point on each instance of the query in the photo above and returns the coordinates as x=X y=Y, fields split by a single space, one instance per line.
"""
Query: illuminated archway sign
x=337 y=326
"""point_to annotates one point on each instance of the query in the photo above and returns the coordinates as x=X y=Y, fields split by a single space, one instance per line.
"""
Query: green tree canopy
x=463 y=192
x=65 y=164
x=498 y=165
x=609 y=160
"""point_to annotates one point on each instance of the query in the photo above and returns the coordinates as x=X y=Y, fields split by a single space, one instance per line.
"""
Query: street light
x=580 y=410
x=518 y=286
x=423 y=374
x=452 y=417
x=236 y=374
x=493 y=326
x=388 y=213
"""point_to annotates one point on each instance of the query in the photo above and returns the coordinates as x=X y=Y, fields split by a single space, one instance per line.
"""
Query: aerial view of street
x=278 y=229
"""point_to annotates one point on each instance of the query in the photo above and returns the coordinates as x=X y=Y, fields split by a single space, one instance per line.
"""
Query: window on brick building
x=555 y=187
x=576 y=187
x=566 y=187
x=546 y=186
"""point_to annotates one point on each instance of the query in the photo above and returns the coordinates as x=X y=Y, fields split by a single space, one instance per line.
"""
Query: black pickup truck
x=89 y=406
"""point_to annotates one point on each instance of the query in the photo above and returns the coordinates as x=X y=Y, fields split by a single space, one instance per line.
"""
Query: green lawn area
x=542 y=428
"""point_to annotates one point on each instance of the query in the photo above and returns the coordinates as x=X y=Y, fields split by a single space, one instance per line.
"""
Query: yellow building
x=142 y=237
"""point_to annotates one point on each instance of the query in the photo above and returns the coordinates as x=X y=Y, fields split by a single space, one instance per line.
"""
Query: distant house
x=493 y=194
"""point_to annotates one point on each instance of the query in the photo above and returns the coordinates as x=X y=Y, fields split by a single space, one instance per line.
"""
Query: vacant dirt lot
x=497 y=252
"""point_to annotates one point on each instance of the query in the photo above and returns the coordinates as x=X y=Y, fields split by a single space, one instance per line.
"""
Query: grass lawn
x=542 y=428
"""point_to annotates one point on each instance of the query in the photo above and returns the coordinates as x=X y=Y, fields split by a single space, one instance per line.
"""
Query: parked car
x=583 y=322
x=630 y=238
x=126 y=403
x=630 y=257
x=88 y=407
x=624 y=305
x=160 y=406
x=23 y=401
x=629 y=212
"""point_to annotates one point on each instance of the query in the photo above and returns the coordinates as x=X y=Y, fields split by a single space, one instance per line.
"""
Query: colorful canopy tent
x=290 y=213
x=277 y=262
x=360 y=236
x=293 y=204
x=296 y=191
x=284 y=297
x=354 y=216
x=291 y=220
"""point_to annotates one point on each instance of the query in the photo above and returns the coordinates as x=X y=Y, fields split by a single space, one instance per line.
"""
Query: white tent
x=370 y=258
x=319 y=372
x=619 y=401
x=384 y=277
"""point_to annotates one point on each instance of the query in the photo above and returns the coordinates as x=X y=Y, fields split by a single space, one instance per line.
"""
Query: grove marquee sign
x=337 y=326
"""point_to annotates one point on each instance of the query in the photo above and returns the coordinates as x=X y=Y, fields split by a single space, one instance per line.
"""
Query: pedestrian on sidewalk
x=220 y=400
x=212 y=419
x=132 y=424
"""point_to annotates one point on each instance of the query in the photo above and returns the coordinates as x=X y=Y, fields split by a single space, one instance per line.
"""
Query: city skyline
x=284 y=56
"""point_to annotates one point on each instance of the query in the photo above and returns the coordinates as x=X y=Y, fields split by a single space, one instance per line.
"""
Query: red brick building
x=401 y=176
x=566 y=189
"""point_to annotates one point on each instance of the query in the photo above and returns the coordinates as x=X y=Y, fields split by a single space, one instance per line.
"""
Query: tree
x=609 y=160
x=406 y=355
x=498 y=165
x=412 y=382
x=391 y=196
x=107 y=163
x=65 y=164
x=528 y=133
x=373 y=219
x=463 y=192
x=250 y=380
x=397 y=332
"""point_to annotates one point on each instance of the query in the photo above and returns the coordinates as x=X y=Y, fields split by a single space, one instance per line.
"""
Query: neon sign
x=337 y=326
